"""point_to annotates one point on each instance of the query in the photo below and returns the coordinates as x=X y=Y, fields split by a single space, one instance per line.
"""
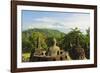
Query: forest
x=64 y=40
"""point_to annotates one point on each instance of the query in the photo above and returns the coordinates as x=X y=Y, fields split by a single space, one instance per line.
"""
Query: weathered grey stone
x=54 y=50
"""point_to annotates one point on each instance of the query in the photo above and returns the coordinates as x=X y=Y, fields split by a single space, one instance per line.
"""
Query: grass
x=25 y=57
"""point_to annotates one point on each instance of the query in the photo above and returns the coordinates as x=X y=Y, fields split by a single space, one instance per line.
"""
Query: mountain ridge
x=47 y=32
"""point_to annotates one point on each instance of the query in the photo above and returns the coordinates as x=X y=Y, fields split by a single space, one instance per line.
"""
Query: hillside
x=47 y=32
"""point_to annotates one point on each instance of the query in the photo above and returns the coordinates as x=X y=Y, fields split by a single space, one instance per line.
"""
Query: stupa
x=77 y=52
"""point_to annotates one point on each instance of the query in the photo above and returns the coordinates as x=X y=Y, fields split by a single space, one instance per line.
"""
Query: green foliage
x=37 y=37
x=30 y=41
x=31 y=36
x=25 y=57
x=26 y=44
x=42 y=38
x=73 y=37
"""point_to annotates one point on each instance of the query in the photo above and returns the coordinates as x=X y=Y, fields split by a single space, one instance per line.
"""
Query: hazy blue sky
x=62 y=21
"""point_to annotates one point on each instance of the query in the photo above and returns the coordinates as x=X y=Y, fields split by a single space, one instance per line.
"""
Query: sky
x=62 y=21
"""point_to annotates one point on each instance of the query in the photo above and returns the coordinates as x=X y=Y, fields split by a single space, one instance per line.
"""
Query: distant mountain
x=47 y=32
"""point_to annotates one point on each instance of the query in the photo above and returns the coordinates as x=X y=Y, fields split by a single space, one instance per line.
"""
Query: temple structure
x=77 y=52
x=55 y=53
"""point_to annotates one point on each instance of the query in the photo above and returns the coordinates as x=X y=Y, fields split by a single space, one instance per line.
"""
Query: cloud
x=64 y=24
x=47 y=22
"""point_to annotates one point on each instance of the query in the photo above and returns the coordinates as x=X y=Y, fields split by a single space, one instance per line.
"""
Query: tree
x=87 y=43
x=74 y=37
x=26 y=44
x=37 y=40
